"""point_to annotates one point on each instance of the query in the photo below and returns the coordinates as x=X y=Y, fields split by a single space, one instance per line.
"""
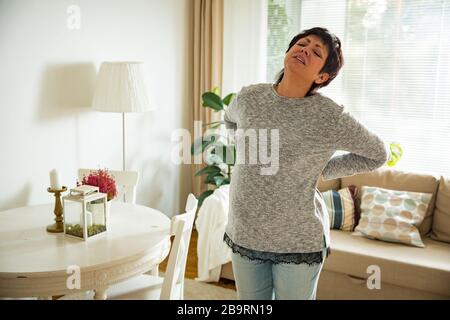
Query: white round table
x=36 y=263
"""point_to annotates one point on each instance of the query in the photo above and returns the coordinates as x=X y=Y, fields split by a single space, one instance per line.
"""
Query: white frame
x=84 y=200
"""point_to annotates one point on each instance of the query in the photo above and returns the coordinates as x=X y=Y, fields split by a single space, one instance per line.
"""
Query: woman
x=278 y=226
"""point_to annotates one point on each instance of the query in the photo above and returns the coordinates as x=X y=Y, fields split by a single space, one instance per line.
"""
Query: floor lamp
x=120 y=88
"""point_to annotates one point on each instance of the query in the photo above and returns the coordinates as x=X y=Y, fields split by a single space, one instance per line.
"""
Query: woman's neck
x=292 y=89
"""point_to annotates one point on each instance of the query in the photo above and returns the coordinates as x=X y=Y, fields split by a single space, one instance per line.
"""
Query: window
x=396 y=77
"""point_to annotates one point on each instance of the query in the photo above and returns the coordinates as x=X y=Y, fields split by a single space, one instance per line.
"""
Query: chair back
x=126 y=182
x=181 y=227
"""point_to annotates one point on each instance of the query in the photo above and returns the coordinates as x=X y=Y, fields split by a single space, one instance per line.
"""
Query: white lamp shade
x=120 y=87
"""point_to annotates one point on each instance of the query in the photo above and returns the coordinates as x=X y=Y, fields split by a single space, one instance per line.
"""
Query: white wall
x=47 y=76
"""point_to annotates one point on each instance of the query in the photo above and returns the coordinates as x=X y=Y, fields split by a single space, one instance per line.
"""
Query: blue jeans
x=256 y=280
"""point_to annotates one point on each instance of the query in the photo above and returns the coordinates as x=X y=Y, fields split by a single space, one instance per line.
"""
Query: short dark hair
x=335 y=59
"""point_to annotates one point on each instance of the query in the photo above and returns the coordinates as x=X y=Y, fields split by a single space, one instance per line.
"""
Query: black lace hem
x=311 y=258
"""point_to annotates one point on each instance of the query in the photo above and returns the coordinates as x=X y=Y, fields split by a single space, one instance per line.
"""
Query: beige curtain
x=207 y=66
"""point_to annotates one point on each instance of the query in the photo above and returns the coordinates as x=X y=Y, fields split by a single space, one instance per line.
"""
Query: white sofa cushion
x=392 y=215
x=398 y=180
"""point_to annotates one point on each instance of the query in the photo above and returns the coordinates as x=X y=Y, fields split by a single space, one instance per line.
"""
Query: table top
x=27 y=248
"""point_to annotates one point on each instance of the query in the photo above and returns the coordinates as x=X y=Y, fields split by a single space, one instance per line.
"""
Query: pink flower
x=103 y=180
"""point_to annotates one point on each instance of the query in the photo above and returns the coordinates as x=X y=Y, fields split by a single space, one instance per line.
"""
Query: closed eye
x=315 y=52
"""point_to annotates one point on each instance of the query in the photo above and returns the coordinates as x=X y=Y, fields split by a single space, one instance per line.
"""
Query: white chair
x=171 y=287
x=126 y=182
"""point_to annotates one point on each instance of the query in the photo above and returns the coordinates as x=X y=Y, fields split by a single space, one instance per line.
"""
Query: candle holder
x=58 y=226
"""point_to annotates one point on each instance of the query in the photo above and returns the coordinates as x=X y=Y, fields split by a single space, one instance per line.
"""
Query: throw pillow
x=392 y=215
x=341 y=207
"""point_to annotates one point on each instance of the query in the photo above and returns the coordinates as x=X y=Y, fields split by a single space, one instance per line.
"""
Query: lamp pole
x=123 y=140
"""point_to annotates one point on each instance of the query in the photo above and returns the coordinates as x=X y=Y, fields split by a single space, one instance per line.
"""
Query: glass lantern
x=85 y=216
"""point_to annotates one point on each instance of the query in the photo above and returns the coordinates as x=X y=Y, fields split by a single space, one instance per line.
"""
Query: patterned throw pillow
x=341 y=207
x=392 y=215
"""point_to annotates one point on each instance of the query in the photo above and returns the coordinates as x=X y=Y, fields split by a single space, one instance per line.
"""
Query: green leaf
x=200 y=144
x=214 y=124
x=221 y=180
x=210 y=179
x=213 y=101
x=222 y=151
x=208 y=170
x=227 y=100
x=203 y=196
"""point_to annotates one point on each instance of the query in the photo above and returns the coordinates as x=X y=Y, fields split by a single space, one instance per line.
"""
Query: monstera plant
x=220 y=149
x=218 y=145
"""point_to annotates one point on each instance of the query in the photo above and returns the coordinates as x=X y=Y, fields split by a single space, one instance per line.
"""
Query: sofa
x=406 y=272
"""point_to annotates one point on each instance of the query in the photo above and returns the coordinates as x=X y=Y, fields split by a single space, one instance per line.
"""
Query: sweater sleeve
x=231 y=114
x=367 y=151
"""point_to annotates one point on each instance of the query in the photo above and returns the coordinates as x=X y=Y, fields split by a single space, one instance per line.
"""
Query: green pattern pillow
x=341 y=207
x=392 y=215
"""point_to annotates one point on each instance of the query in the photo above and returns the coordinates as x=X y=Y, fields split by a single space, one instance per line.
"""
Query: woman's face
x=306 y=58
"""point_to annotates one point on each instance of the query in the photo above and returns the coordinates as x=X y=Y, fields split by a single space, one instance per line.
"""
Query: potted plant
x=216 y=145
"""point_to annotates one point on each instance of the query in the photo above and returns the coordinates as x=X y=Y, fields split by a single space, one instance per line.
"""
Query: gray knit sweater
x=281 y=210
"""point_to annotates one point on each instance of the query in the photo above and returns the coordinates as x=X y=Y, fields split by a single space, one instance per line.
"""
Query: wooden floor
x=191 y=264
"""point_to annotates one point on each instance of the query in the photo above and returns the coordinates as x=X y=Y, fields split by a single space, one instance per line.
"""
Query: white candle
x=54 y=180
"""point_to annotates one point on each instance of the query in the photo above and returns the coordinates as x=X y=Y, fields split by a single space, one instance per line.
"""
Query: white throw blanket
x=211 y=222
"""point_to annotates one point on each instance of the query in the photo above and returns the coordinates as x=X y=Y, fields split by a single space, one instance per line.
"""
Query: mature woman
x=278 y=226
